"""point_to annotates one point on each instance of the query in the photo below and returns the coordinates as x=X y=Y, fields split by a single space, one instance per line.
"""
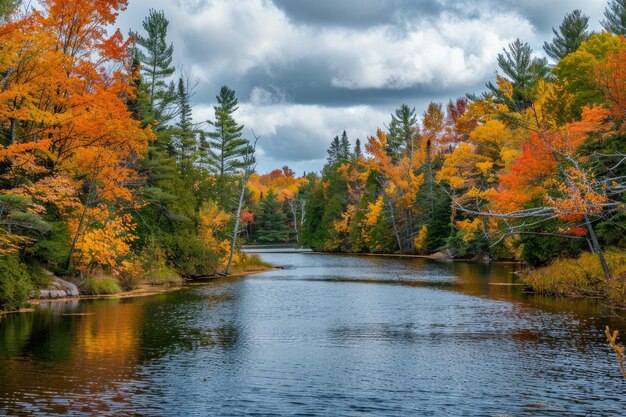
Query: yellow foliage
x=374 y=211
x=470 y=228
x=211 y=229
x=419 y=243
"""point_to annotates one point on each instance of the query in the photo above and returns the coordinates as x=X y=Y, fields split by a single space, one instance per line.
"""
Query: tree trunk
x=395 y=227
x=596 y=248
x=244 y=181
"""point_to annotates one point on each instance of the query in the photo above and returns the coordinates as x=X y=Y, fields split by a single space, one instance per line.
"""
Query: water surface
x=328 y=335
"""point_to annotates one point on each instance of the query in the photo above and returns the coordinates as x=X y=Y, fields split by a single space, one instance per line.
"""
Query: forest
x=106 y=179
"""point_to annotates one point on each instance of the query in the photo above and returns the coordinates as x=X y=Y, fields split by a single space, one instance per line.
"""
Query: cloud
x=306 y=70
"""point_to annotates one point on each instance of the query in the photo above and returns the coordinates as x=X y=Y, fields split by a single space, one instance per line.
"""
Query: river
x=329 y=335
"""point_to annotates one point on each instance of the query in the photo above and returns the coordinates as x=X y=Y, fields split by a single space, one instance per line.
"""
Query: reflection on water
x=328 y=335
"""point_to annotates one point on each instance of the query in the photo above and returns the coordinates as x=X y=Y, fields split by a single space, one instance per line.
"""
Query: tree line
x=103 y=172
x=533 y=169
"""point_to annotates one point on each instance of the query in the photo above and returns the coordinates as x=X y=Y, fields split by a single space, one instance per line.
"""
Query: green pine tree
x=334 y=151
x=402 y=132
x=155 y=57
x=227 y=146
x=523 y=71
x=358 y=153
x=186 y=143
x=571 y=33
x=615 y=14
x=271 y=221
x=344 y=147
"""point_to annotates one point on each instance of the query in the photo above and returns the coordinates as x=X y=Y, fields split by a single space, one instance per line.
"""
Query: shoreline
x=142 y=291
x=434 y=257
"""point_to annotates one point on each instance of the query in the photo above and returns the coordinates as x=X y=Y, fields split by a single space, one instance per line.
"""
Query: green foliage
x=226 y=147
x=52 y=249
x=101 y=286
x=15 y=283
x=571 y=33
x=439 y=226
x=402 y=131
x=523 y=71
x=162 y=275
x=155 y=57
x=185 y=135
x=271 y=220
x=615 y=17
x=188 y=254
x=540 y=249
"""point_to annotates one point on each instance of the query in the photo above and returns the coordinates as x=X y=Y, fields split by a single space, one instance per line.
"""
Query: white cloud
x=231 y=42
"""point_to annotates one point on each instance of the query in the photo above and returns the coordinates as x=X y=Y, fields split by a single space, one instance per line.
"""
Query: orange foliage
x=283 y=181
x=105 y=241
x=65 y=91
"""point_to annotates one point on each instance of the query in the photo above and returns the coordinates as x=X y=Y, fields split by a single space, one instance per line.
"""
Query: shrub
x=250 y=262
x=101 y=285
x=162 y=276
x=582 y=277
x=15 y=283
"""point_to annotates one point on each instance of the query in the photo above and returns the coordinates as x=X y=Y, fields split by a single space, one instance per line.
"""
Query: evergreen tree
x=571 y=33
x=523 y=71
x=185 y=134
x=402 y=131
x=227 y=147
x=615 y=14
x=344 y=150
x=271 y=220
x=155 y=57
x=334 y=151
x=358 y=153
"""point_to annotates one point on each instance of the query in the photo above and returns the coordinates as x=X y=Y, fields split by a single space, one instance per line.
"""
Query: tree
x=615 y=17
x=334 y=151
x=571 y=33
x=185 y=134
x=271 y=220
x=523 y=72
x=358 y=152
x=227 y=147
x=248 y=164
x=403 y=132
x=155 y=57
x=344 y=149
x=64 y=102
x=7 y=7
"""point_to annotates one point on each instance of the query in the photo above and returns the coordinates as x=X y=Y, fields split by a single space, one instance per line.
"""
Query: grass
x=162 y=276
x=582 y=277
x=250 y=262
x=101 y=286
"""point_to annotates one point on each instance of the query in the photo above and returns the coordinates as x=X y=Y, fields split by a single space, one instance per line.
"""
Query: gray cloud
x=305 y=70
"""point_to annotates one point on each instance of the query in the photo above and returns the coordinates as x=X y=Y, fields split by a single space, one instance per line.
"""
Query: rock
x=59 y=288
x=70 y=289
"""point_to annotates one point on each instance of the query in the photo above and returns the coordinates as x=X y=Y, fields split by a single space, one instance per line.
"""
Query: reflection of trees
x=81 y=357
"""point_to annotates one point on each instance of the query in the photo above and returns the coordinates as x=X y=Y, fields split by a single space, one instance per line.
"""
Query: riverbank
x=582 y=277
x=438 y=256
x=142 y=291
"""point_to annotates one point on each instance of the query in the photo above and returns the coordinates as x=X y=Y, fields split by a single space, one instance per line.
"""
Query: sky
x=305 y=70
